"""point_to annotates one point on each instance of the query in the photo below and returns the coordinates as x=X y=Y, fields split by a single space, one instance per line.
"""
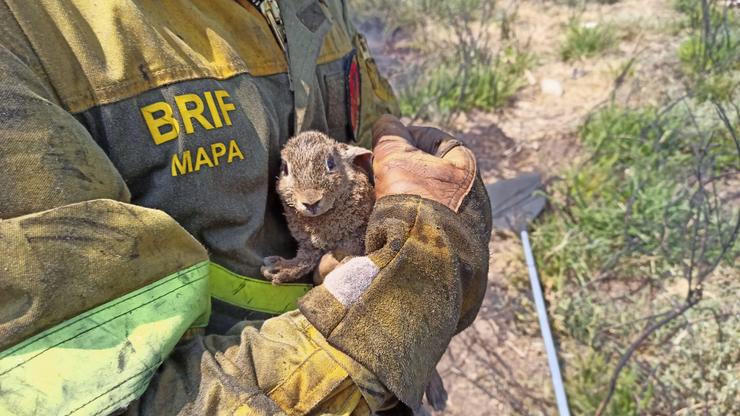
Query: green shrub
x=701 y=54
x=639 y=160
x=449 y=87
x=710 y=56
x=578 y=245
x=722 y=87
x=584 y=400
x=694 y=11
x=586 y=41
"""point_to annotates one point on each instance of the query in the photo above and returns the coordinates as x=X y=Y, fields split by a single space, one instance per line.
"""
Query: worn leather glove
x=421 y=161
x=424 y=275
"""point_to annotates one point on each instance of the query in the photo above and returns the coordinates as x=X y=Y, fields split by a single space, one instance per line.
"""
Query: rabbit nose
x=313 y=207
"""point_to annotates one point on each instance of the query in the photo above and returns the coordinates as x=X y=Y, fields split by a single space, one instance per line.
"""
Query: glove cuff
x=322 y=309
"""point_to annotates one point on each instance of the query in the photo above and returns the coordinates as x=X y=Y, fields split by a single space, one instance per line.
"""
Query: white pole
x=539 y=301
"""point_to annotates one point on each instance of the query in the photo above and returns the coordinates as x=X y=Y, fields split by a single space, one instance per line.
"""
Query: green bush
x=723 y=87
x=449 y=87
x=584 y=400
x=586 y=41
x=639 y=159
x=636 y=225
x=710 y=56
x=694 y=11
x=700 y=54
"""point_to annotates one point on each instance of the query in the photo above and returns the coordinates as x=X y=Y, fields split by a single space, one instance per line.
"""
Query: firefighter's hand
x=421 y=161
x=422 y=280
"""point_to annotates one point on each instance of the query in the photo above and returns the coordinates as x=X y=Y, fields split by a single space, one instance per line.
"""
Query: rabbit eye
x=330 y=163
x=284 y=168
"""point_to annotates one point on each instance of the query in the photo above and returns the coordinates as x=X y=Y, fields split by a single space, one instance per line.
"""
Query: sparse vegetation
x=487 y=83
x=585 y=40
x=460 y=70
x=638 y=251
x=622 y=239
x=711 y=53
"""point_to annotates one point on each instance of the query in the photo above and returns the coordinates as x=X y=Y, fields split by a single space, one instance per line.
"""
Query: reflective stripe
x=102 y=359
x=254 y=294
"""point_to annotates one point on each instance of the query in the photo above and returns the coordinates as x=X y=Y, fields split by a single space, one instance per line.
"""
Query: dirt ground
x=498 y=366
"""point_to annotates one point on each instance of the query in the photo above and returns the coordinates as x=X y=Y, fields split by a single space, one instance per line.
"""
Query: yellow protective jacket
x=139 y=140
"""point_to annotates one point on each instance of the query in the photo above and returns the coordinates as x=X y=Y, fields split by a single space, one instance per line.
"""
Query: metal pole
x=539 y=301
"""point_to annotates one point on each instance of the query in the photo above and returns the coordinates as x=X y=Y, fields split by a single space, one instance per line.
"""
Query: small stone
x=551 y=87
x=590 y=25
x=531 y=80
x=578 y=73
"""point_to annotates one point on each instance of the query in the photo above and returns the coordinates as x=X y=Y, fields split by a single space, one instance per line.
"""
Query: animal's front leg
x=281 y=270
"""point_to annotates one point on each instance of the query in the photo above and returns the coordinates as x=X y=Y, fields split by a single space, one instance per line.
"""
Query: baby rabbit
x=327 y=197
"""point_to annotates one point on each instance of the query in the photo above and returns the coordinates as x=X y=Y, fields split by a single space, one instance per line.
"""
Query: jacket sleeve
x=78 y=262
x=69 y=239
x=282 y=367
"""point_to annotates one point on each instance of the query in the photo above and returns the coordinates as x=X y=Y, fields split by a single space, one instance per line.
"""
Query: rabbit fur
x=327 y=198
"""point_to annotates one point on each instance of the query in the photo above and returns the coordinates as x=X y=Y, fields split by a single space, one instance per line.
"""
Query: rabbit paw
x=280 y=270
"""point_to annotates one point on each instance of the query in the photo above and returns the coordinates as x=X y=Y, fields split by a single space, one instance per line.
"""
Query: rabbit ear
x=352 y=152
x=359 y=156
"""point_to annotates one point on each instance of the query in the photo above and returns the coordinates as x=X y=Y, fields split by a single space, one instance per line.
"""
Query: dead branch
x=636 y=344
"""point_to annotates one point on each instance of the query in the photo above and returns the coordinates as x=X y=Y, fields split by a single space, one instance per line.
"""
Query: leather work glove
x=424 y=276
x=421 y=161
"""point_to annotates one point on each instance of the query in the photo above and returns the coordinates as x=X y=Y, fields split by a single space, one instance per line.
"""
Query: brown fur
x=346 y=200
x=327 y=209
